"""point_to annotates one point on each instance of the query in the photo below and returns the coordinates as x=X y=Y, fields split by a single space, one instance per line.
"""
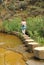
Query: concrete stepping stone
x=25 y=36
x=28 y=40
x=39 y=52
x=32 y=45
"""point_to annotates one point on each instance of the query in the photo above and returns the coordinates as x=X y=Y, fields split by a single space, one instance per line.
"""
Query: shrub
x=35 y=27
x=35 y=23
x=23 y=5
x=13 y=25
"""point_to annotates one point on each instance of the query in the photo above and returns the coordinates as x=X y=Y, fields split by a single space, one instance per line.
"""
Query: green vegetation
x=35 y=27
x=33 y=10
x=13 y=7
x=12 y=25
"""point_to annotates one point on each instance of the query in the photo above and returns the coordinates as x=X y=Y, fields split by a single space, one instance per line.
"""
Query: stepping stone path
x=25 y=37
x=32 y=45
x=37 y=51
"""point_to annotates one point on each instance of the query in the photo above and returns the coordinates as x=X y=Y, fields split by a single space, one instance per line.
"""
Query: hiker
x=23 y=26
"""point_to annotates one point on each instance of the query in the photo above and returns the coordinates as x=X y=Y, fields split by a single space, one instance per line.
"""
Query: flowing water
x=9 y=57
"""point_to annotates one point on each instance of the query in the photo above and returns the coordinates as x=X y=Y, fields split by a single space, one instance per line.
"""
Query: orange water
x=8 y=57
x=9 y=41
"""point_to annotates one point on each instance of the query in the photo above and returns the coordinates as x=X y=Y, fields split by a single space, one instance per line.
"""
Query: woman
x=23 y=24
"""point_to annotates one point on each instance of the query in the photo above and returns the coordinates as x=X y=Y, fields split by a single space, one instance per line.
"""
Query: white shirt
x=23 y=23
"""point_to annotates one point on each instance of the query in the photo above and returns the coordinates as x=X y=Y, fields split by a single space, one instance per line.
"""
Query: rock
x=32 y=45
x=29 y=40
x=39 y=52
